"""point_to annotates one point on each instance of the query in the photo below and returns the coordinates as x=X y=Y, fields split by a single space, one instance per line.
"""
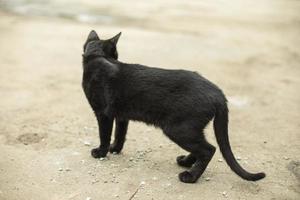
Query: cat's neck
x=107 y=65
x=91 y=57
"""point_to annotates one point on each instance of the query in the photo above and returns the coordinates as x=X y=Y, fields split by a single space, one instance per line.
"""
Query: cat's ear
x=115 y=39
x=93 y=36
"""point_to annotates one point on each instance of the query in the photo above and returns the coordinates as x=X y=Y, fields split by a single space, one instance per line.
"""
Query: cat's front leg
x=120 y=135
x=105 y=125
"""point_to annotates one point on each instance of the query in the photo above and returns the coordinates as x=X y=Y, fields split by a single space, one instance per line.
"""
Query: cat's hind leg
x=193 y=141
x=186 y=161
x=120 y=135
x=204 y=154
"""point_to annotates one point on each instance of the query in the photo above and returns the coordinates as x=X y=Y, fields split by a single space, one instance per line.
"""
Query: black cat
x=179 y=102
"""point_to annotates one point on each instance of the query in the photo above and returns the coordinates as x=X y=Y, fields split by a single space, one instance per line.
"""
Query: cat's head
x=94 y=46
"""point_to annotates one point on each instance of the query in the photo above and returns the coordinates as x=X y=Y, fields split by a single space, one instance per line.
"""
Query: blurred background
x=250 y=49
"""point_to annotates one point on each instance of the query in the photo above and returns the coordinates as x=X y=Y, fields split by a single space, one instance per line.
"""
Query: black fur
x=179 y=102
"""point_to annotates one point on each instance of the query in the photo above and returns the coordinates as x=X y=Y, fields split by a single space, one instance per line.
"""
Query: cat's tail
x=221 y=132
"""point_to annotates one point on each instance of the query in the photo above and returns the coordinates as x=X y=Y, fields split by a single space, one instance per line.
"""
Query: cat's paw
x=187 y=177
x=115 y=148
x=184 y=161
x=99 y=153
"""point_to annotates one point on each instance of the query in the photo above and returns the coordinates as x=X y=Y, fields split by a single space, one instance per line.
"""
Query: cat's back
x=156 y=74
x=143 y=90
x=179 y=78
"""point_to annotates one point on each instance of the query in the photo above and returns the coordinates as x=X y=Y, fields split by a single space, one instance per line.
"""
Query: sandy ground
x=47 y=128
